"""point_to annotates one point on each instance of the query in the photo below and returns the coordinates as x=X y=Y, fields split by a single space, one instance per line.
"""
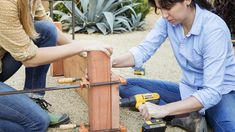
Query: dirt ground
x=161 y=66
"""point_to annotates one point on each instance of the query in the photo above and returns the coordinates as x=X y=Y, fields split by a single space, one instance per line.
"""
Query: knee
x=41 y=123
x=223 y=124
x=135 y=81
x=47 y=30
x=44 y=122
x=123 y=88
x=130 y=83
x=229 y=127
x=127 y=90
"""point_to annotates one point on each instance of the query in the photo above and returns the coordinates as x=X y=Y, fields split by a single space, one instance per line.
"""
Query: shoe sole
x=60 y=123
x=202 y=127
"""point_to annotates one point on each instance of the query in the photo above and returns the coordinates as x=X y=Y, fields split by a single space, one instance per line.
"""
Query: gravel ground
x=161 y=66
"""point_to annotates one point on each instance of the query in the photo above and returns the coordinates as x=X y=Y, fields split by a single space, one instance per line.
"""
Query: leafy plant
x=136 y=22
x=61 y=7
x=143 y=8
x=106 y=16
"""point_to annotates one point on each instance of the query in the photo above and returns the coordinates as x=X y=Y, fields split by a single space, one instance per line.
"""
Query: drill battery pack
x=154 y=125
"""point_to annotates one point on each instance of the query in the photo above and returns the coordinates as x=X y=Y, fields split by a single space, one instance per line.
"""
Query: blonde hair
x=26 y=19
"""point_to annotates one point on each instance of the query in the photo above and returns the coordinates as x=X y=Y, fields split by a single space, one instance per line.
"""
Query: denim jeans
x=221 y=117
x=18 y=113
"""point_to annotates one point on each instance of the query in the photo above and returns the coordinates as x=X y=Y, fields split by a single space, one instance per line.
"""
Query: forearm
x=62 y=38
x=184 y=106
x=126 y=60
x=49 y=54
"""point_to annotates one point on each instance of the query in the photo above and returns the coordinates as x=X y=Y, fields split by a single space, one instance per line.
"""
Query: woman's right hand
x=90 y=45
x=149 y=110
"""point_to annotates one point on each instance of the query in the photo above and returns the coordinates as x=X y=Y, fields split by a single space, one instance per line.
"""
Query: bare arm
x=62 y=38
x=65 y=39
x=187 y=105
x=125 y=60
x=50 y=54
x=66 y=48
x=47 y=55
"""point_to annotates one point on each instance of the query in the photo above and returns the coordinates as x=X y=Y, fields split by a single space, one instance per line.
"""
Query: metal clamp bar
x=82 y=85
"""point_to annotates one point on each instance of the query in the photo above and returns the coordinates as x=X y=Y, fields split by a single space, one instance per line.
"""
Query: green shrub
x=143 y=8
x=60 y=7
x=105 y=16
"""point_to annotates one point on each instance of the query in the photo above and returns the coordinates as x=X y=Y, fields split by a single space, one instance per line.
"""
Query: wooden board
x=102 y=100
x=75 y=66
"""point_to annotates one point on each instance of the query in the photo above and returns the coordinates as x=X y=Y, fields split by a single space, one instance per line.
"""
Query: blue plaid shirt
x=205 y=56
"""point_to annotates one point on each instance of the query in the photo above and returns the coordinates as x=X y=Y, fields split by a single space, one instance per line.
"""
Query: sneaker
x=42 y=103
x=56 y=119
x=192 y=123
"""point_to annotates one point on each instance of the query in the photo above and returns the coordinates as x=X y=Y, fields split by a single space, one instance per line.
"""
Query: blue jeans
x=18 y=113
x=221 y=117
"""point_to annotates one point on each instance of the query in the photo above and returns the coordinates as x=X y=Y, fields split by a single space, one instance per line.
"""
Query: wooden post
x=103 y=101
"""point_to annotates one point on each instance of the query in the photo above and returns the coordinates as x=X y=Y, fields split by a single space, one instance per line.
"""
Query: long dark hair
x=226 y=10
x=167 y=4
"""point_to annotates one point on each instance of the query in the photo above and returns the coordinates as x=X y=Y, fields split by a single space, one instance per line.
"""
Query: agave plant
x=106 y=16
x=136 y=22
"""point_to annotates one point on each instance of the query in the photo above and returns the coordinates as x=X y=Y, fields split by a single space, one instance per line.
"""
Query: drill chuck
x=128 y=102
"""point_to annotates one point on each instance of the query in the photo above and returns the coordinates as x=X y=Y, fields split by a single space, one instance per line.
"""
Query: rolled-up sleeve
x=214 y=54
x=13 y=38
x=152 y=42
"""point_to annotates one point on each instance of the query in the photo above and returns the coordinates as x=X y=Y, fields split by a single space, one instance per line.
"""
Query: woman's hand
x=149 y=110
x=90 y=45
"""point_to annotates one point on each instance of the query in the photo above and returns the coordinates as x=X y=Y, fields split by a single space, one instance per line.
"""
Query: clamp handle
x=67 y=80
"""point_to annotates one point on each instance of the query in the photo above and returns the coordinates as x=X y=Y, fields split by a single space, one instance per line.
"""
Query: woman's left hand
x=149 y=110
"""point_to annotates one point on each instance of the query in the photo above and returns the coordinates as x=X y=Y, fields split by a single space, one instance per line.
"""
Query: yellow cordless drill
x=154 y=125
x=137 y=100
